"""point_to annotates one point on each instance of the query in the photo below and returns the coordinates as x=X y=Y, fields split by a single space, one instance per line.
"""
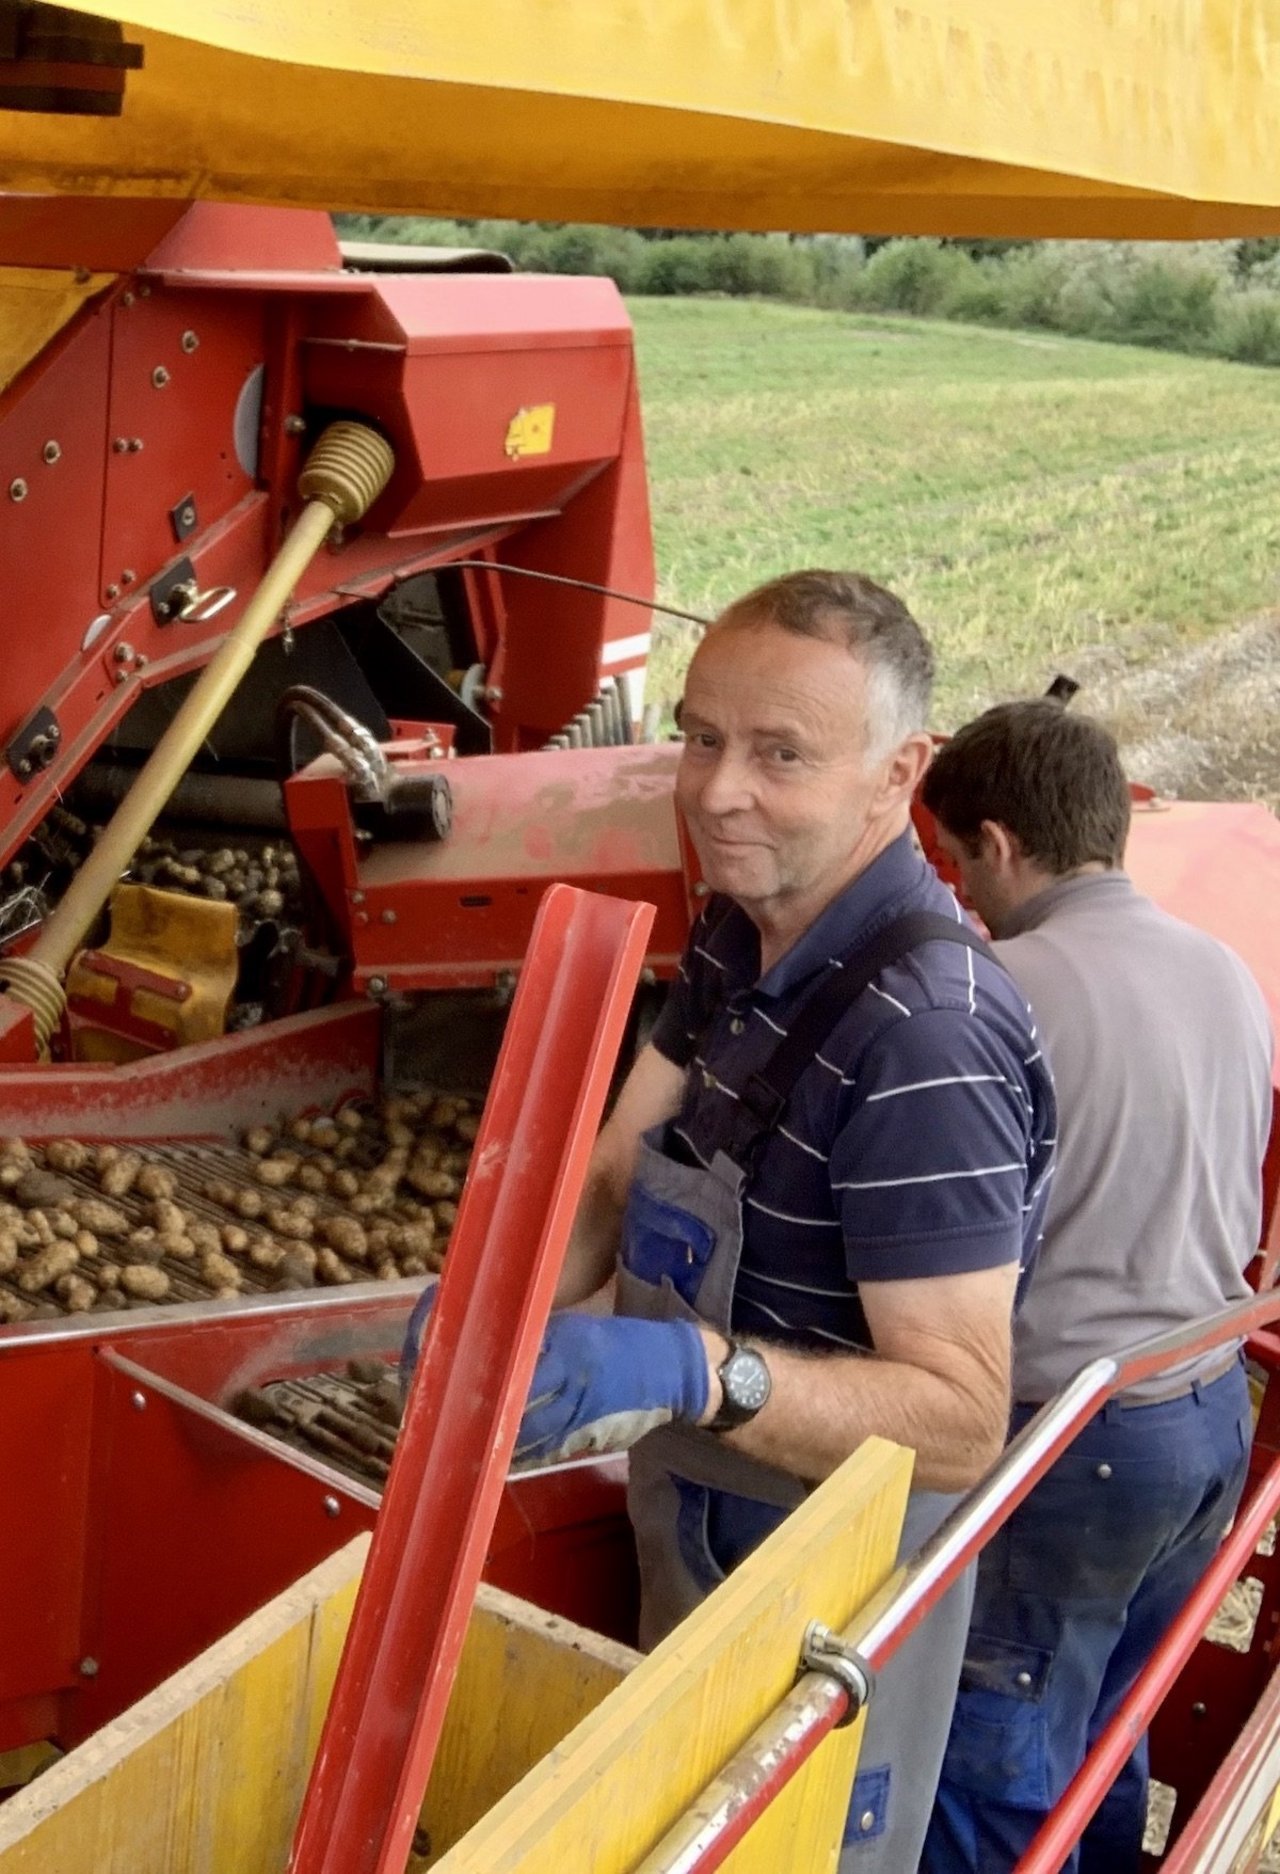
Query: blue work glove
x=602 y=1382
x=415 y=1334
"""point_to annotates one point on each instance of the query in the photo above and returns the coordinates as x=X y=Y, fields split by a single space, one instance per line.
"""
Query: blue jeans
x=1074 y=1594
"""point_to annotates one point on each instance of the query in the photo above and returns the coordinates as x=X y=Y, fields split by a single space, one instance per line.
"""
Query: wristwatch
x=745 y=1386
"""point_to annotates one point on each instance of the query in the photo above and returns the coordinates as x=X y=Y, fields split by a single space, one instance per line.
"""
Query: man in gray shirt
x=1160 y=1045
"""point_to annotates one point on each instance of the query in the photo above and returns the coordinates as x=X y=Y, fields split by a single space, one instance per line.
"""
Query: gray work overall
x=681 y=1247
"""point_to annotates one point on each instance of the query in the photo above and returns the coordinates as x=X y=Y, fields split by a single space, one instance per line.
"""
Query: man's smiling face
x=782 y=802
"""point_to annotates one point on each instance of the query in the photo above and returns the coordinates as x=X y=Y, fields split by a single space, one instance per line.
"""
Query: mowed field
x=1043 y=504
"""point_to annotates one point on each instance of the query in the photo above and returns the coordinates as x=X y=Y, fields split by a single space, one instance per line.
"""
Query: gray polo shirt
x=1160 y=1046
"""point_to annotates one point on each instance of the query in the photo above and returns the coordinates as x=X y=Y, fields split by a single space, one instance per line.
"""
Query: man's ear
x=907 y=765
x=997 y=845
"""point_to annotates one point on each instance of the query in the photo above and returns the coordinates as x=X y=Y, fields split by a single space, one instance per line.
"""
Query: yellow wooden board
x=608 y=1794
x=957 y=116
x=35 y=304
x=206 y=1774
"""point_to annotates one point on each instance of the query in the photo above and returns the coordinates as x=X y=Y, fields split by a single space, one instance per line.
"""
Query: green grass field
x=1042 y=503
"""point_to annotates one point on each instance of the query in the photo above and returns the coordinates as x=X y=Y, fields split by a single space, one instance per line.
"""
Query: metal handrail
x=788 y=1737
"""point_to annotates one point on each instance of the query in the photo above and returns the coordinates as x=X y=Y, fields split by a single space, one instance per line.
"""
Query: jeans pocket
x=1091 y=1528
x=660 y=1240
x=999 y=1746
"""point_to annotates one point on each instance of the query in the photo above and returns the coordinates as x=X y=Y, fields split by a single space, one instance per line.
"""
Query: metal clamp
x=823 y=1651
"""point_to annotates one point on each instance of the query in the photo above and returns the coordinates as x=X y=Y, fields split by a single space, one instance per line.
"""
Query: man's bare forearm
x=823 y=1406
x=593 y=1244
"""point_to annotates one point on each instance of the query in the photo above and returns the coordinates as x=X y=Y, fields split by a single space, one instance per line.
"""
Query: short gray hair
x=873 y=623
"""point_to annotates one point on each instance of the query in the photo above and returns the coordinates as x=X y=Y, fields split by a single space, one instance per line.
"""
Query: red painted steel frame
x=464 y=1409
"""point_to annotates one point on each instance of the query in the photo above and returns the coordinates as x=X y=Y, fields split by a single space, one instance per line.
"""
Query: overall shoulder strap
x=766 y=1093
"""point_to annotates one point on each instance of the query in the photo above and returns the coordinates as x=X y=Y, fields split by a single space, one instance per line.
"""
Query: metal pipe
x=346 y=471
x=705 y=1837
x=1062 y=1830
x=236 y=800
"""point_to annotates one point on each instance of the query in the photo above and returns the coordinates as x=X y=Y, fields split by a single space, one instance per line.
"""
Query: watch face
x=745 y=1379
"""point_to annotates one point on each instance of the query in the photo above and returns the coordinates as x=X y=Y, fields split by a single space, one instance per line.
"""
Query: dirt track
x=1202 y=724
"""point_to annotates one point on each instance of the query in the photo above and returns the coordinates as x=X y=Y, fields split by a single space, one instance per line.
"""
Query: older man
x=1158 y=1037
x=823 y=1174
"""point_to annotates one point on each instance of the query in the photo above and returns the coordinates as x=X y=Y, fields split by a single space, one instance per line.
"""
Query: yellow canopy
x=1067 y=117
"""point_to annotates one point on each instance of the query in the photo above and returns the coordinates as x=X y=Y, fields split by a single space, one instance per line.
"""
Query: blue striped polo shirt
x=920 y=1140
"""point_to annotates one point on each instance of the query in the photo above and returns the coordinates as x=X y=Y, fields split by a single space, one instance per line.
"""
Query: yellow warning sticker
x=529 y=431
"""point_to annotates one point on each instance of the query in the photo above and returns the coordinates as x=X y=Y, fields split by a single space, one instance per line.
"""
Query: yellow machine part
x=165 y=977
x=35 y=304
x=1049 y=117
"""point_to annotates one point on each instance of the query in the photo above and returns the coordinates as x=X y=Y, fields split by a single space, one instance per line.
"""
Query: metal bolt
x=113 y=592
x=24 y=768
x=648 y=977
x=126 y=299
x=17 y=489
x=1103 y=1471
x=134 y=445
x=189 y=341
x=122 y=676
x=52 y=452
x=1199 y=1709
x=88 y=1667
x=331 y=1506
x=737 y=1025
x=867 y=1821
x=159 y=377
x=377 y=985
x=138 y=1401
x=1024 y=1680
x=357 y=897
x=53 y=733
x=188 y=516
x=123 y=653
x=120 y=444
x=295 y=425
x=388 y=916
x=493 y=694
x=702 y=889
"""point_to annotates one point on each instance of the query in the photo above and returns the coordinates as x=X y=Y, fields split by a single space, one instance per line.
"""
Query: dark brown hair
x=1052 y=778
x=851 y=609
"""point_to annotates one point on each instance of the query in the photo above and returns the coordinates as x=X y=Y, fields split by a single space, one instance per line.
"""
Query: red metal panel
x=106 y=234
x=465 y=1405
x=212 y=1090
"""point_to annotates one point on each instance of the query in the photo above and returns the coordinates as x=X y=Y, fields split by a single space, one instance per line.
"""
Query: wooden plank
x=525 y=1680
x=205 y=1775
x=606 y=1796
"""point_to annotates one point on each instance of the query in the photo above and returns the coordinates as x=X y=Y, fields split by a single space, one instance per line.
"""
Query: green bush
x=912 y=276
x=1248 y=329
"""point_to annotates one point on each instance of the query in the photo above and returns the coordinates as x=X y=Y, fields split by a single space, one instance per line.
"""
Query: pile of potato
x=352 y=1197
x=262 y=882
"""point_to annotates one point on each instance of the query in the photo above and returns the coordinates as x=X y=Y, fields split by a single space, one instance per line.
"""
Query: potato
x=206 y=1236
x=369 y=1203
x=144 y=1283
x=105 y=1274
x=344 y=1184
x=76 y=1295
x=445 y=1112
x=177 y=1245
x=156 y=1181
x=219 y=1271
x=145 y=1244
x=446 y=1214
x=42 y=1190
x=8 y=1251
x=324 y=1135
x=265 y=1254
x=466 y=1127
x=12 y=1309
x=304 y=1207
x=86 y=1243
x=38 y=1222
x=387 y=1271
x=288 y=1223
x=11 y=1174
x=110 y=1299
x=434 y=1184
x=46 y=1266
x=400 y=1135
x=234 y=1238
x=104 y=1155
x=62 y=1224
x=221 y=1191
x=347 y=1236
x=15 y=1151
x=117 y=1180
x=312 y=1178
x=248 y=1203
x=347 y=1119
x=347 y=1147
x=167 y=1217
x=66 y=1155
x=295 y=1271
x=103 y=1219
x=331 y=1268
x=276 y=1171
x=259 y=1140
x=414 y=1239
x=299 y=1129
